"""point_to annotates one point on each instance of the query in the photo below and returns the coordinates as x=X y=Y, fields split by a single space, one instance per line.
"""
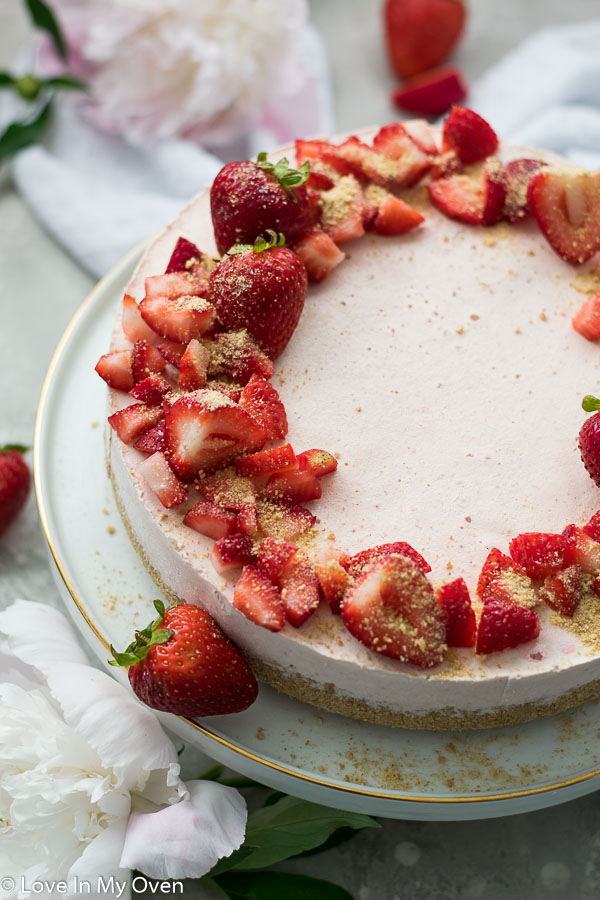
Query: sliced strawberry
x=512 y=588
x=247 y=520
x=271 y=556
x=539 y=554
x=474 y=202
x=163 y=481
x=592 y=528
x=283 y=519
x=145 y=361
x=299 y=587
x=319 y=253
x=319 y=180
x=582 y=550
x=205 y=430
x=390 y=215
x=261 y=400
x=587 y=319
x=419 y=130
x=211 y=520
x=183 y=256
x=151 y=390
x=152 y=441
x=358 y=563
x=193 y=366
x=394 y=143
x=564 y=590
x=495 y=564
x=392 y=609
x=320 y=462
x=457 y=613
x=595 y=586
x=223 y=387
x=131 y=422
x=267 y=461
x=468 y=135
x=231 y=552
x=171 y=351
x=227 y=489
x=177 y=284
x=235 y=355
x=444 y=165
x=519 y=173
x=503 y=626
x=342 y=210
x=259 y=599
x=333 y=579
x=115 y=369
x=180 y=319
x=566 y=206
x=134 y=327
x=432 y=93
x=299 y=485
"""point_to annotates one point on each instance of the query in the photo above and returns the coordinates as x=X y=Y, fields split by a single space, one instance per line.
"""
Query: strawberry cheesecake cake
x=345 y=399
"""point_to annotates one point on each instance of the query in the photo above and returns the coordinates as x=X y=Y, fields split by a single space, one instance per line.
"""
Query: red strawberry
x=178 y=320
x=587 y=318
x=582 y=550
x=115 y=369
x=299 y=485
x=163 y=481
x=232 y=391
x=231 y=552
x=342 y=210
x=210 y=520
x=145 y=360
x=182 y=663
x=333 y=579
x=272 y=555
x=193 y=366
x=134 y=327
x=468 y=135
x=512 y=588
x=503 y=626
x=248 y=198
x=205 y=430
x=563 y=591
x=320 y=462
x=183 y=256
x=152 y=441
x=227 y=489
x=267 y=461
x=390 y=215
x=299 y=587
x=566 y=205
x=246 y=521
x=474 y=202
x=235 y=355
x=134 y=420
x=15 y=483
x=283 y=519
x=395 y=161
x=540 y=555
x=420 y=34
x=495 y=564
x=151 y=390
x=457 y=613
x=419 y=131
x=171 y=351
x=392 y=609
x=261 y=400
x=259 y=599
x=358 y=563
x=174 y=285
x=319 y=253
x=432 y=93
x=519 y=173
x=589 y=438
x=592 y=528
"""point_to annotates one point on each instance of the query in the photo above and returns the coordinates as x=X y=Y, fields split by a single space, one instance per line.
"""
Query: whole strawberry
x=15 y=482
x=247 y=198
x=182 y=663
x=260 y=288
x=420 y=34
x=589 y=438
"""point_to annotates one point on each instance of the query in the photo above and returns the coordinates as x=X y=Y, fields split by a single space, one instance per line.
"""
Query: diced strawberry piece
x=272 y=555
x=595 y=586
x=512 y=588
x=205 y=430
x=474 y=202
x=342 y=210
x=582 y=550
x=358 y=563
x=211 y=520
x=227 y=489
x=319 y=181
x=432 y=93
x=173 y=285
x=587 y=319
x=283 y=519
x=178 y=320
x=592 y=528
x=320 y=462
x=503 y=626
x=468 y=135
x=394 y=143
x=151 y=390
x=319 y=253
x=134 y=327
x=152 y=441
x=193 y=366
x=115 y=369
x=235 y=355
x=495 y=564
x=457 y=613
x=184 y=254
x=333 y=579
x=299 y=485
x=539 y=554
x=163 y=481
x=420 y=131
x=171 y=351
x=392 y=610
x=259 y=599
x=131 y=422
x=261 y=400
x=267 y=461
x=229 y=390
x=519 y=173
x=299 y=587
x=312 y=150
x=231 y=552
x=564 y=590
x=566 y=206
x=145 y=361
x=247 y=520
x=390 y=214
x=444 y=165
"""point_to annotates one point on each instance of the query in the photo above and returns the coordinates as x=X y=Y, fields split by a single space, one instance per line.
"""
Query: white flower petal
x=102 y=855
x=15 y=671
x=187 y=839
x=40 y=635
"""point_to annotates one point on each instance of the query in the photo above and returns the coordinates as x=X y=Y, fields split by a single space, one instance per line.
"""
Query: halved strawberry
x=299 y=485
x=267 y=461
x=299 y=587
x=151 y=390
x=566 y=205
x=237 y=356
x=131 y=422
x=468 y=135
x=319 y=253
x=592 y=528
x=247 y=521
x=519 y=173
x=392 y=609
x=431 y=93
x=115 y=369
x=183 y=256
x=152 y=441
x=539 y=554
x=587 y=318
x=134 y=327
x=457 y=613
x=271 y=556
x=210 y=519
x=342 y=210
x=193 y=366
x=171 y=351
x=259 y=599
x=474 y=202
x=145 y=361
x=283 y=519
x=231 y=552
x=163 y=481
x=388 y=214
x=513 y=588
x=333 y=579
x=564 y=590
x=394 y=143
x=180 y=319
x=320 y=462
x=503 y=626
x=582 y=550
x=177 y=284
x=227 y=489
x=357 y=564
x=420 y=131
x=261 y=400
x=495 y=564
x=206 y=430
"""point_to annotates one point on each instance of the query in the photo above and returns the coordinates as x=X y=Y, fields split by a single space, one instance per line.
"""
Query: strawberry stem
x=144 y=640
x=261 y=243
x=590 y=403
x=20 y=448
x=287 y=177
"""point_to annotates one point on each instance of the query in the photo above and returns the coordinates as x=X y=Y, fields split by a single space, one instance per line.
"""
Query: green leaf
x=66 y=81
x=279 y=885
x=212 y=774
x=284 y=174
x=20 y=448
x=6 y=79
x=43 y=17
x=19 y=135
x=231 y=861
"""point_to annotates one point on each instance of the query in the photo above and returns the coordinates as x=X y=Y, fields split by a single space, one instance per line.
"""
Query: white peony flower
x=89 y=782
x=204 y=70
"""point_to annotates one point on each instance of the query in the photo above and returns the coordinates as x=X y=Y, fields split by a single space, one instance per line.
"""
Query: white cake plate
x=280 y=742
